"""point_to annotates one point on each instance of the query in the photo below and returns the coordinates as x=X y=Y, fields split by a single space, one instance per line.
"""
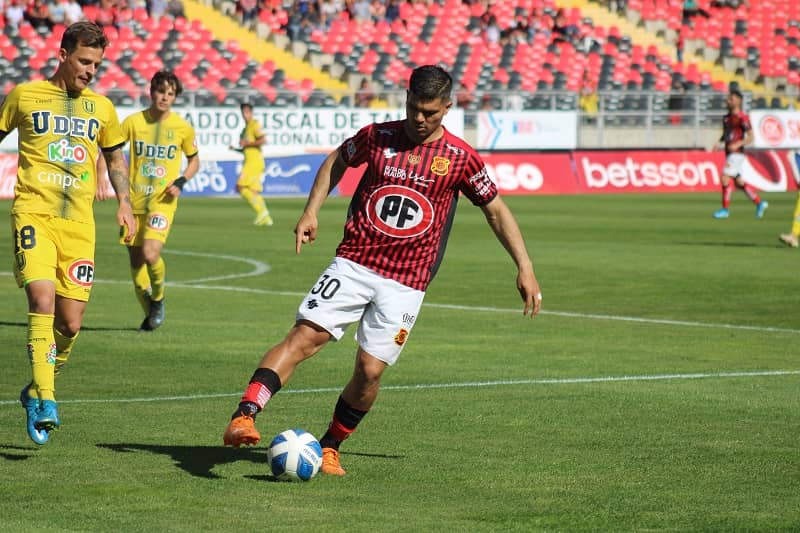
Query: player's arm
x=328 y=176
x=192 y=166
x=505 y=227
x=118 y=176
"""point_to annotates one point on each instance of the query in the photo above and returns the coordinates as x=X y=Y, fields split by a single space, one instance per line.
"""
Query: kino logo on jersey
x=63 y=152
x=399 y=211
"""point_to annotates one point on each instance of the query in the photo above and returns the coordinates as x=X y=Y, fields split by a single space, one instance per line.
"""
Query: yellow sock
x=42 y=353
x=63 y=348
x=255 y=200
x=796 y=222
x=141 y=283
x=157 y=273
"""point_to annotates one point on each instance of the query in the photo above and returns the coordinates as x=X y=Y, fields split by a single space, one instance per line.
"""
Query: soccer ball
x=295 y=455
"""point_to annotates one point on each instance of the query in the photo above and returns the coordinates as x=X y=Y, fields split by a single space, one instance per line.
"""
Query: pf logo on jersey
x=158 y=222
x=82 y=272
x=399 y=211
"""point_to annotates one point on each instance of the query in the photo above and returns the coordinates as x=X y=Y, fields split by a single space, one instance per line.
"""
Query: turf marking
x=455 y=385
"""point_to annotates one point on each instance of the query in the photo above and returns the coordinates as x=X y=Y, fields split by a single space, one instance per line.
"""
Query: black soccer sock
x=263 y=385
x=345 y=420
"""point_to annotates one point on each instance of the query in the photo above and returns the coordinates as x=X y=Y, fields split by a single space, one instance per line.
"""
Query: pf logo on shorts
x=399 y=211
x=158 y=222
x=82 y=272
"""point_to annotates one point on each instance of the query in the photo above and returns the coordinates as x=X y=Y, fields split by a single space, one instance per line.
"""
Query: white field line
x=456 y=385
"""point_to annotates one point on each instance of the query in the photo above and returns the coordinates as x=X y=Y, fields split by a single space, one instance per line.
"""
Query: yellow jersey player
x=249 y=183
x=62 y=125
x=158 y=137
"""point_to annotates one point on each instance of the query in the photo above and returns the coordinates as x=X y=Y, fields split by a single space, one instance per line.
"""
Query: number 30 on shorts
x=326 y=287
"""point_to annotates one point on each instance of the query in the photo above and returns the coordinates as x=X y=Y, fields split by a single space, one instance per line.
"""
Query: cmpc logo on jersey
x=399 y=211
x=82 y=272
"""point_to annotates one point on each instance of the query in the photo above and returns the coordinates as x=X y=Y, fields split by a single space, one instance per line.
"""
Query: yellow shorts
x=154 y=225
x=55 y=249
x=250 y=178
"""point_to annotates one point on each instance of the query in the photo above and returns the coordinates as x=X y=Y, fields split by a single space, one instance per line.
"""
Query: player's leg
x=140 y=277
x=791 y=239
x=157 y=272
x=382 y=334
x=249 y=187
x=353 y=404
x=276 y=367
x=752 y=193
x=727 y=192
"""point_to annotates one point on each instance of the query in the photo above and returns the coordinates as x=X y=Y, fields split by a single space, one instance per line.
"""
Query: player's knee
x=68 y=326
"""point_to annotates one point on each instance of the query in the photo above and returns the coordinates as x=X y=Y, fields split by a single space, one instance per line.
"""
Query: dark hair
x=247 y=105
x=83 y=33
x=166 y=77
x=430 y=82
x=737 y=92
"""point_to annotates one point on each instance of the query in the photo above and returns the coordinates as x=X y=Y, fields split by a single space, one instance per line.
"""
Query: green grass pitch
x=659 y=389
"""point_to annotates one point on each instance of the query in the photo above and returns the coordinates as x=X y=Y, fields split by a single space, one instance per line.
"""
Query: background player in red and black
x=736 y=134
x=394 y=239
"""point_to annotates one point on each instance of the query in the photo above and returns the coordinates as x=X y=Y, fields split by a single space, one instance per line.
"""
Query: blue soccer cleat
x=31 y=406
x=47 y=416
x=721 y=213
x=761 y=207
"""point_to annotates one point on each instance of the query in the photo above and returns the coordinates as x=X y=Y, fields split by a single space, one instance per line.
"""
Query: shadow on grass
x=199 y=461
x=83 y=328
x=15 y=453
x=196 y=460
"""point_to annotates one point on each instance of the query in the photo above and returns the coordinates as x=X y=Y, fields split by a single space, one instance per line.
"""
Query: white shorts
x=733 y=164
x=348 y=292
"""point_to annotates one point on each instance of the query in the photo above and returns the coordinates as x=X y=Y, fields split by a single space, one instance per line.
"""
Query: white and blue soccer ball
x=295 y=455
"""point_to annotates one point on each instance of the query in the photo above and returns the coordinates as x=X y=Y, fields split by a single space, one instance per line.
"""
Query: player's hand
x=305 y=231
x=126 y=219
x=530 y=292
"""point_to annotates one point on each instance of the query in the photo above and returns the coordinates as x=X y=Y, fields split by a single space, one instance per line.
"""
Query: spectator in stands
x=377 y=10
x=329 y=10
x=736 y=134
x=563 y=30
x=248 y=12
x=364 y=95
x=175 y=9
x=124 y=14
x=38 y=15
x=106 y=14
x=691 y=9
x=392 y=11
x=361 y=10
x=57 y=11
x=15 y=13
x=156 y=9
x=74 y=12
x=464 y=97
x=676 y=102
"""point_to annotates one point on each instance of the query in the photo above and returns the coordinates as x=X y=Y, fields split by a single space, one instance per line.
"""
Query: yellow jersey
x=253 y=158
x=59 y=140
x=155 y=154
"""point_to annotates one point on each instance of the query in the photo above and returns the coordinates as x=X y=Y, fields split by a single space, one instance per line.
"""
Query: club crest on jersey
x=82 y=272
x=414 y=159
x=158 y=222
x=399 y=211
x=400 y=338
x=440 y=166
x=88 y=106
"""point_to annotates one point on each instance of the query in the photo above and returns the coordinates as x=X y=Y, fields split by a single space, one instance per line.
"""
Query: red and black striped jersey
x=402 y=210
x=734 y=128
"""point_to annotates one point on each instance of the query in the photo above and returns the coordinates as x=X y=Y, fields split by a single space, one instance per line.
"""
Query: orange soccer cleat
x=330 y=462
x=241 y=430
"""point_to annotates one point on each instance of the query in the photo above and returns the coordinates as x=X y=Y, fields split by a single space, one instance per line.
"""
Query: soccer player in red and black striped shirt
x=736 y=134
x=394 y=240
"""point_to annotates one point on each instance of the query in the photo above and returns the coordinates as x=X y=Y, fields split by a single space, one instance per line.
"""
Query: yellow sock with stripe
x=63 y=348
x=796 y=222
x=157 y=272
x=42 y=353
x=255 y=200
x=141 y=282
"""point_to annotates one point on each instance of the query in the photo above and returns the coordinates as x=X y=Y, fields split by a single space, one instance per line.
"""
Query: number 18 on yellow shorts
x=57 y=249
